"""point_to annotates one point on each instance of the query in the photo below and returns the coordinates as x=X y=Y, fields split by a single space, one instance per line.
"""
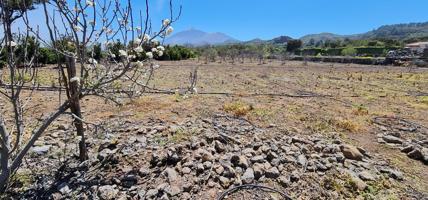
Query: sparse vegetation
x=238 y=108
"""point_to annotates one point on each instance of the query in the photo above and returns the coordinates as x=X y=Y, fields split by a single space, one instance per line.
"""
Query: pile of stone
x=200 y=159
x=410 y=138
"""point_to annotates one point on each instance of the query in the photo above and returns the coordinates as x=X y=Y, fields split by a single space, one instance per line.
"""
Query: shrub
x=47 y=56
x=350 y=51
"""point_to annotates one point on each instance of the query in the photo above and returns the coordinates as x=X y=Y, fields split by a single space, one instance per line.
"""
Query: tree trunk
x=4 y=153
x=74 y=87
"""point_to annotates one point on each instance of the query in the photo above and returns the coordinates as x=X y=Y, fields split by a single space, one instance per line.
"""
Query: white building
x=417 y=46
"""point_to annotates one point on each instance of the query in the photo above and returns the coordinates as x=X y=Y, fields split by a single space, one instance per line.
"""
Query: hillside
x=396 y=31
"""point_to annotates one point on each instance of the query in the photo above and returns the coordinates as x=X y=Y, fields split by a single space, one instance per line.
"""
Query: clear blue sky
x=249 y=19
x=266 y=19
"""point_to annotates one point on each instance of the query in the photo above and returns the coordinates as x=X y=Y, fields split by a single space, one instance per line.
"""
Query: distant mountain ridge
x=194 y=37
x=395 y=31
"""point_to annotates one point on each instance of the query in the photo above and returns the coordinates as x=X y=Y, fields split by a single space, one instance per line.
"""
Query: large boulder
x=351 y=152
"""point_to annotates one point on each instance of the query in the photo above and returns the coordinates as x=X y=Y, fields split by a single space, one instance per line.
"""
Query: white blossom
x=155 y=42
x=90 y=3
x=92 y=61
x=139 y=64
x=106 y=43
x=169 y=30
x=132 y=56
x=161 y=48
x=75 y=79
x=139 y=49
x=112 y=55
x=146 y=38
x=77 y=28
x=149 y=55
x=160 y=53
x=107 y=30
x=137 y=41
x=123 y=53
x=154 y=50
x=12 y=44
x=166 y=22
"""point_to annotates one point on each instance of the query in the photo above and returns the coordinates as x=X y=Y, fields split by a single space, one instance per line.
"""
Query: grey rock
x=284 y=181
x=321 y=167
x=173 y=190
x=248 y=176
x=351 y=152
x=64 y=189
x=107 y=192
x=171 y=174
x=228 y=172
x=205 y=155
x=395 y=174
x=240 y=161
x=301 y=159
x=271 y=155
x=207 y=164
x=248 y=151
x=366 y=176
x=219 y=169
x=407 y=149
x=63 y=127
x=392 y=139
x=129 y=180
x=424 y=152
x=219 y=147
x=272 y=173
x=258 y=159
x=40 y=150
x=224 y=182
x=360 y=184
x=152 y=193
x=143 y=172
x=187 y=187
x=186 y=170
x=200 y=168
x=258 y=170
x=141 y=193
x=415 y=154
x=295 y=176
x=275 y=162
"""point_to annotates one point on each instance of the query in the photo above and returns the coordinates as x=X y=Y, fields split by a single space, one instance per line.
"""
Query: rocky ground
x=359 y=134
x=204 y=158
x=407 y=136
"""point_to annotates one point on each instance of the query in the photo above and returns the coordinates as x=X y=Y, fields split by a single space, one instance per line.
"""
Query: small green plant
x=423 y=100
x=182 y=135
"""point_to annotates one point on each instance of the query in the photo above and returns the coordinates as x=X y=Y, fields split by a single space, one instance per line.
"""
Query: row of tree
x=29 y=47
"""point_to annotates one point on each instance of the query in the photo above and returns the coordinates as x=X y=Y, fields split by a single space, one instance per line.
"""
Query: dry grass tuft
x=347 y=125
x=238 y=108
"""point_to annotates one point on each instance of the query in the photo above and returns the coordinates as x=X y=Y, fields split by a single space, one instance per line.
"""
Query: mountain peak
x=197 y=37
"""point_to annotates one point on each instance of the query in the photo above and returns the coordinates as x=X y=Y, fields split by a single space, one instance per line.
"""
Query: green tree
x=293 y=45
x=349 y=51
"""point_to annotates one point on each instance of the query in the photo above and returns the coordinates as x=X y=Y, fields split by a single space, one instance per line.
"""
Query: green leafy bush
x=350 y=51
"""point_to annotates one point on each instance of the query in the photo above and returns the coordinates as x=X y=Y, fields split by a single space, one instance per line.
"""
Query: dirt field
x=332 y=100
